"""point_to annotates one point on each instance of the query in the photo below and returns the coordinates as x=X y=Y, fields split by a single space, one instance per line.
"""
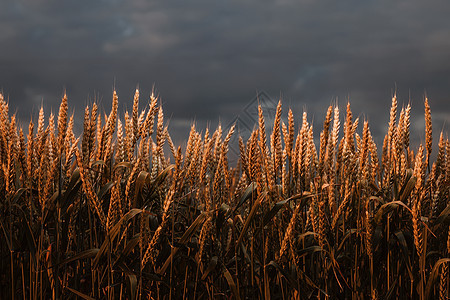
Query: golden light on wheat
x=120 y=212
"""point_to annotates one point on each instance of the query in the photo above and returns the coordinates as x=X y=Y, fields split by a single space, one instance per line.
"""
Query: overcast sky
x=207 y=59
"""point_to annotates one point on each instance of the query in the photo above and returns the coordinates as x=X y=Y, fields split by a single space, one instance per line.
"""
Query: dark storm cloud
x=208 y=59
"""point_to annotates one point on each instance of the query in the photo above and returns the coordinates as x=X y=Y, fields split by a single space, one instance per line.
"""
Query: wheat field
x=120 y=212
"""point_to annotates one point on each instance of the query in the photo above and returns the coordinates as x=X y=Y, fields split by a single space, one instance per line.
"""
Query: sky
x=208 y=60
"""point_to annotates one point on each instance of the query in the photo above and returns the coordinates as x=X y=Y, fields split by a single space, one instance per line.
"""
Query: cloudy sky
x=208 y=59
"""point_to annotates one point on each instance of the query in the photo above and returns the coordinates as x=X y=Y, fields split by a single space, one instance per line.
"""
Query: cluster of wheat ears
x=122 y=213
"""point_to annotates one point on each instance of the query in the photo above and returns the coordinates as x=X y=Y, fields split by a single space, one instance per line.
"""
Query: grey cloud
x=207 y=60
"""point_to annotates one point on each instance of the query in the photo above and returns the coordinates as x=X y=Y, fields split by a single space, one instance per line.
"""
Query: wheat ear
x=428 y=130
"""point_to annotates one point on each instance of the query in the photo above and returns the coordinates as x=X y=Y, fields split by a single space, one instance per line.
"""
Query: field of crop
x=120 y=212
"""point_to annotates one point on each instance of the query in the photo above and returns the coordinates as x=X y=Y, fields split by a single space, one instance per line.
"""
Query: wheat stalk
x=89 y=190
x=428 y=130
x=324 y=138
x=417 y=230
x=276 y=148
